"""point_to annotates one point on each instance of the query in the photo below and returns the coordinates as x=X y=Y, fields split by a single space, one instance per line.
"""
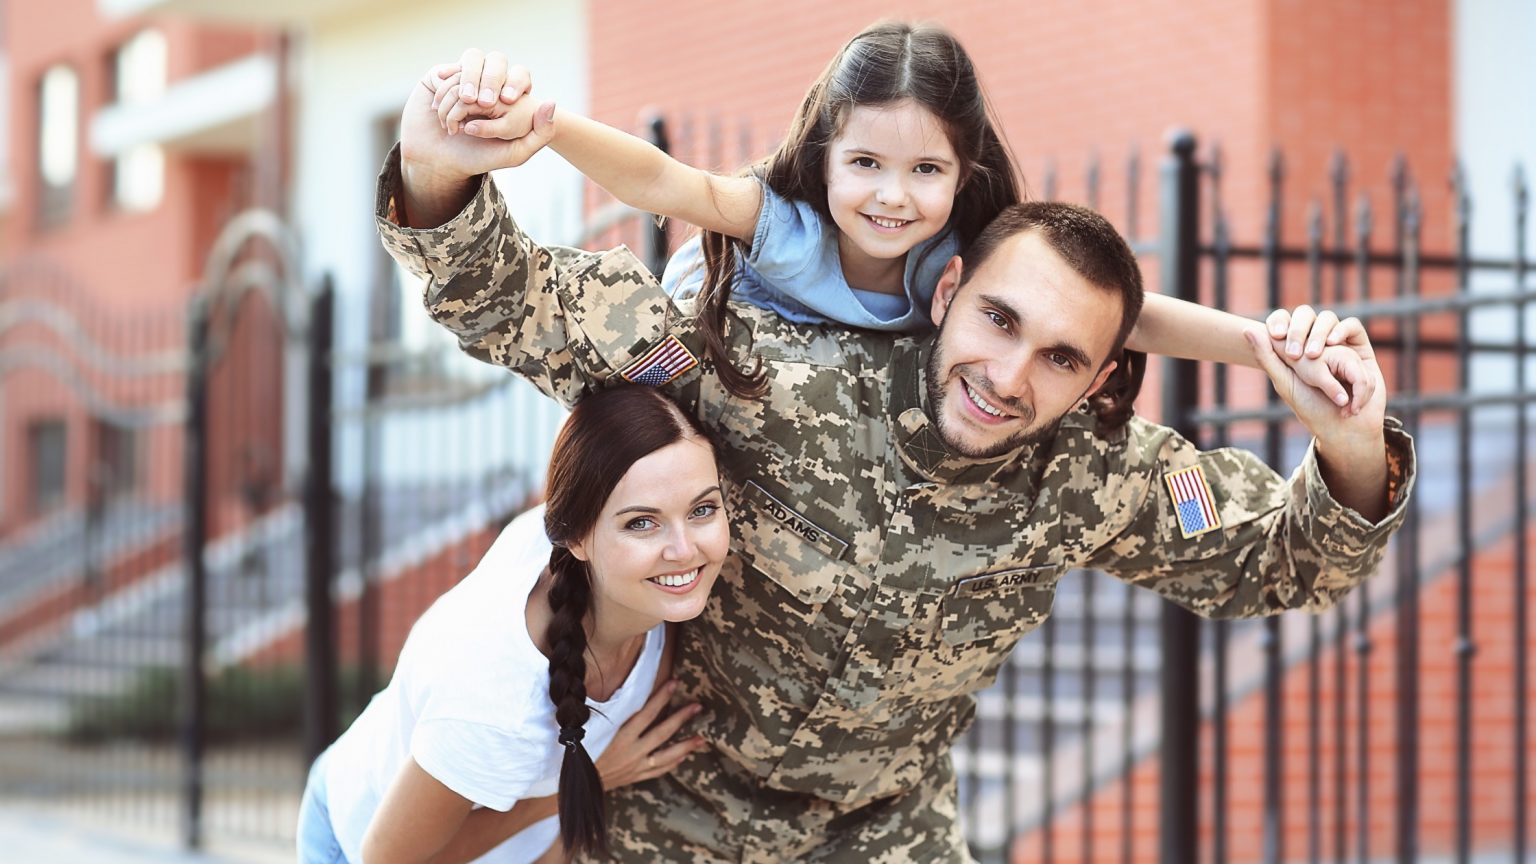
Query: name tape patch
x=1003 y=579
x=807 y=530
x=666 y=360
x=1193 y=504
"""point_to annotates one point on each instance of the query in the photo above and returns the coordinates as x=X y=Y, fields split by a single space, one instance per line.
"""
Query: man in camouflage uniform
x=902 y=507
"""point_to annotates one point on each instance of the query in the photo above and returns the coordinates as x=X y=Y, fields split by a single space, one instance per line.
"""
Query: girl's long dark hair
x=607 y=432
x=887 y=62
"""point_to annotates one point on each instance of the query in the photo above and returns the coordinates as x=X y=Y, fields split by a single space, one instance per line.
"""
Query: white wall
x=1495 y=117
x=355 y=70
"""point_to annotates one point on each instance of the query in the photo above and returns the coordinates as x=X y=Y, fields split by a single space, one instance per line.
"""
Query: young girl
x=891 y=166
x=538 y=659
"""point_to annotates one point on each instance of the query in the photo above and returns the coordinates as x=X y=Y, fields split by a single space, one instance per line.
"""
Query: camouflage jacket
x=878 y=579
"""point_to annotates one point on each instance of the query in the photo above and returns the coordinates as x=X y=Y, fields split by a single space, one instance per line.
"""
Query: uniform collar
x=917 y=435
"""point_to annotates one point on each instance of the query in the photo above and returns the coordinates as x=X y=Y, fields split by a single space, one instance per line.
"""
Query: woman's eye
x=864 y=162
x=644 y=523
x=704 y=511
x=927 y=168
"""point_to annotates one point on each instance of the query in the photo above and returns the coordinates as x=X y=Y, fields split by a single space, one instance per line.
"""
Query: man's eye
x=998 y=320
x=1061 y=361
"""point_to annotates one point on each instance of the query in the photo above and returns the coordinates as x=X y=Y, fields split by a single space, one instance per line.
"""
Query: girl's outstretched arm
x=478 y=101
x=1333 y=362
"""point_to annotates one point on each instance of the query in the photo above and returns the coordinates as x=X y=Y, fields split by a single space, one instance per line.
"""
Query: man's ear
x=944 y=293
x=1098 y=380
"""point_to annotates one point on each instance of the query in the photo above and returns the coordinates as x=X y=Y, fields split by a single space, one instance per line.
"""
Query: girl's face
x=661 y=538
x=891 y=179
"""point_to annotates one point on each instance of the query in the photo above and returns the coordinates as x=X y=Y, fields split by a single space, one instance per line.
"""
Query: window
x=138 y=76
x=46 y=450
x=115 y=462
x=58 y=142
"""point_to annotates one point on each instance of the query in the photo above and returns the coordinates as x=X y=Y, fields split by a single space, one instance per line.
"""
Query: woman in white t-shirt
x=552 y=650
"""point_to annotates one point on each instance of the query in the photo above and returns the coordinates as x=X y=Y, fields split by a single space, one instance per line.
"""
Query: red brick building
x=123 y=174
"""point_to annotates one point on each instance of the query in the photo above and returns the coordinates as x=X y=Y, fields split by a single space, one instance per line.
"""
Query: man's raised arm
x=1225 y=536
x=565 y=319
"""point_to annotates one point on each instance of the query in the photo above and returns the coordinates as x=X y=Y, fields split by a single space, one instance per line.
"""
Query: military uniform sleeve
x=1280 y=544
x=565 y=319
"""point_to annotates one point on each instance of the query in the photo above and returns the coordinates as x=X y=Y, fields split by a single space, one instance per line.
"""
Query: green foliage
x=243 y=704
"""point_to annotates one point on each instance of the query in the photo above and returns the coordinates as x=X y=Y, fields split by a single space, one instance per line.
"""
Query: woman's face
x=661 y=538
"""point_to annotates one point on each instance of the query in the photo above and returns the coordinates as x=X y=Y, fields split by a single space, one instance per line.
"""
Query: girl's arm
x=1189 y=331
x=1333 y=362
x=642 y=176
x=479 y=101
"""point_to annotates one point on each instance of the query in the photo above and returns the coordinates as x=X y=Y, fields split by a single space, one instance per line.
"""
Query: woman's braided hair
x=606 y=433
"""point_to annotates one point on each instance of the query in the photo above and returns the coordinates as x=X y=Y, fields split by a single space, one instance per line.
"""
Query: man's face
x=1019 y=346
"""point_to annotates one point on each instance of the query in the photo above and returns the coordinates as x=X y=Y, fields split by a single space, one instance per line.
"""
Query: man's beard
x=1030 y=435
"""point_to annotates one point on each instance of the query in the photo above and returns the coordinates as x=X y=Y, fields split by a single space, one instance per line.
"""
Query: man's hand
x=1326 y=353
x=438 y=169
x=1351 y=446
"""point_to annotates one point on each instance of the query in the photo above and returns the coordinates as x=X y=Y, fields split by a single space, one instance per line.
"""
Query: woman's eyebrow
x=646 y=508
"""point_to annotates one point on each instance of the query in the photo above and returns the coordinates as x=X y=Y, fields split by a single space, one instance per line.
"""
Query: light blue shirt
x=793 y=269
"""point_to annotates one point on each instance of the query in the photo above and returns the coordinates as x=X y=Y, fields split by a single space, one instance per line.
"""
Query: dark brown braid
x=608 y=431
x=583 y=818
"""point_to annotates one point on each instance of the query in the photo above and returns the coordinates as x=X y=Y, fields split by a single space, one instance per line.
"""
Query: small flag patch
x=663 y=363
x=1192 y=501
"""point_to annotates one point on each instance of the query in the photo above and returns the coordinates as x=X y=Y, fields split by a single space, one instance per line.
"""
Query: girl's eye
x=704 y=511
x=644 y=523
x=864 y=162
x=927 y=168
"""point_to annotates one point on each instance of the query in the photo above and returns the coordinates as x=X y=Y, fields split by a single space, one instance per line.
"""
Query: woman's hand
x=640 y=750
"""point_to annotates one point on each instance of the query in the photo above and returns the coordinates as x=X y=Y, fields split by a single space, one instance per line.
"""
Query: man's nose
x=1010 y=377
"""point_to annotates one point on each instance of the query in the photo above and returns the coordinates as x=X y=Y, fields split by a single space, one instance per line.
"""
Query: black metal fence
x=180 y=633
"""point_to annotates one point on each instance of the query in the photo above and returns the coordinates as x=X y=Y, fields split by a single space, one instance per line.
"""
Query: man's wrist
x=430 y=196
x=1352 y=449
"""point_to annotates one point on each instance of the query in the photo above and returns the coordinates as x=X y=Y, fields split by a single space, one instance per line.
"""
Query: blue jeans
x=316 y=838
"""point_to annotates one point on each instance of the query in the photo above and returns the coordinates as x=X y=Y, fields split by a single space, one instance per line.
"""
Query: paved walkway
x=36 y=836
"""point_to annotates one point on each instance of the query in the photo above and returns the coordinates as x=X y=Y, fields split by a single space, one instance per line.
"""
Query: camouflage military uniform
x=878 y=579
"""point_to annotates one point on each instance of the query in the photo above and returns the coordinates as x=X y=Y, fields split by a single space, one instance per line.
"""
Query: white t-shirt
x=469 y=701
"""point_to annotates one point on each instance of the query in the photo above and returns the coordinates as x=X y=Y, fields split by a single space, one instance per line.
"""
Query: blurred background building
x=198 y=451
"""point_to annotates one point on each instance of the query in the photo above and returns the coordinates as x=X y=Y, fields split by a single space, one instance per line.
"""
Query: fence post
x=194 y=456
x=1179 y=781
x=654 y=231
x=319 y=536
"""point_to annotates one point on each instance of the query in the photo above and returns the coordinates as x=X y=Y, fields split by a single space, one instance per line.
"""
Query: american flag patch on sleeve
x=1192 y=501
x=665 y=361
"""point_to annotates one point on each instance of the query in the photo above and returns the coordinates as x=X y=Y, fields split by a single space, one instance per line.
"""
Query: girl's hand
x=1330 y=355
x=640 y=750
x=1307 y=332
